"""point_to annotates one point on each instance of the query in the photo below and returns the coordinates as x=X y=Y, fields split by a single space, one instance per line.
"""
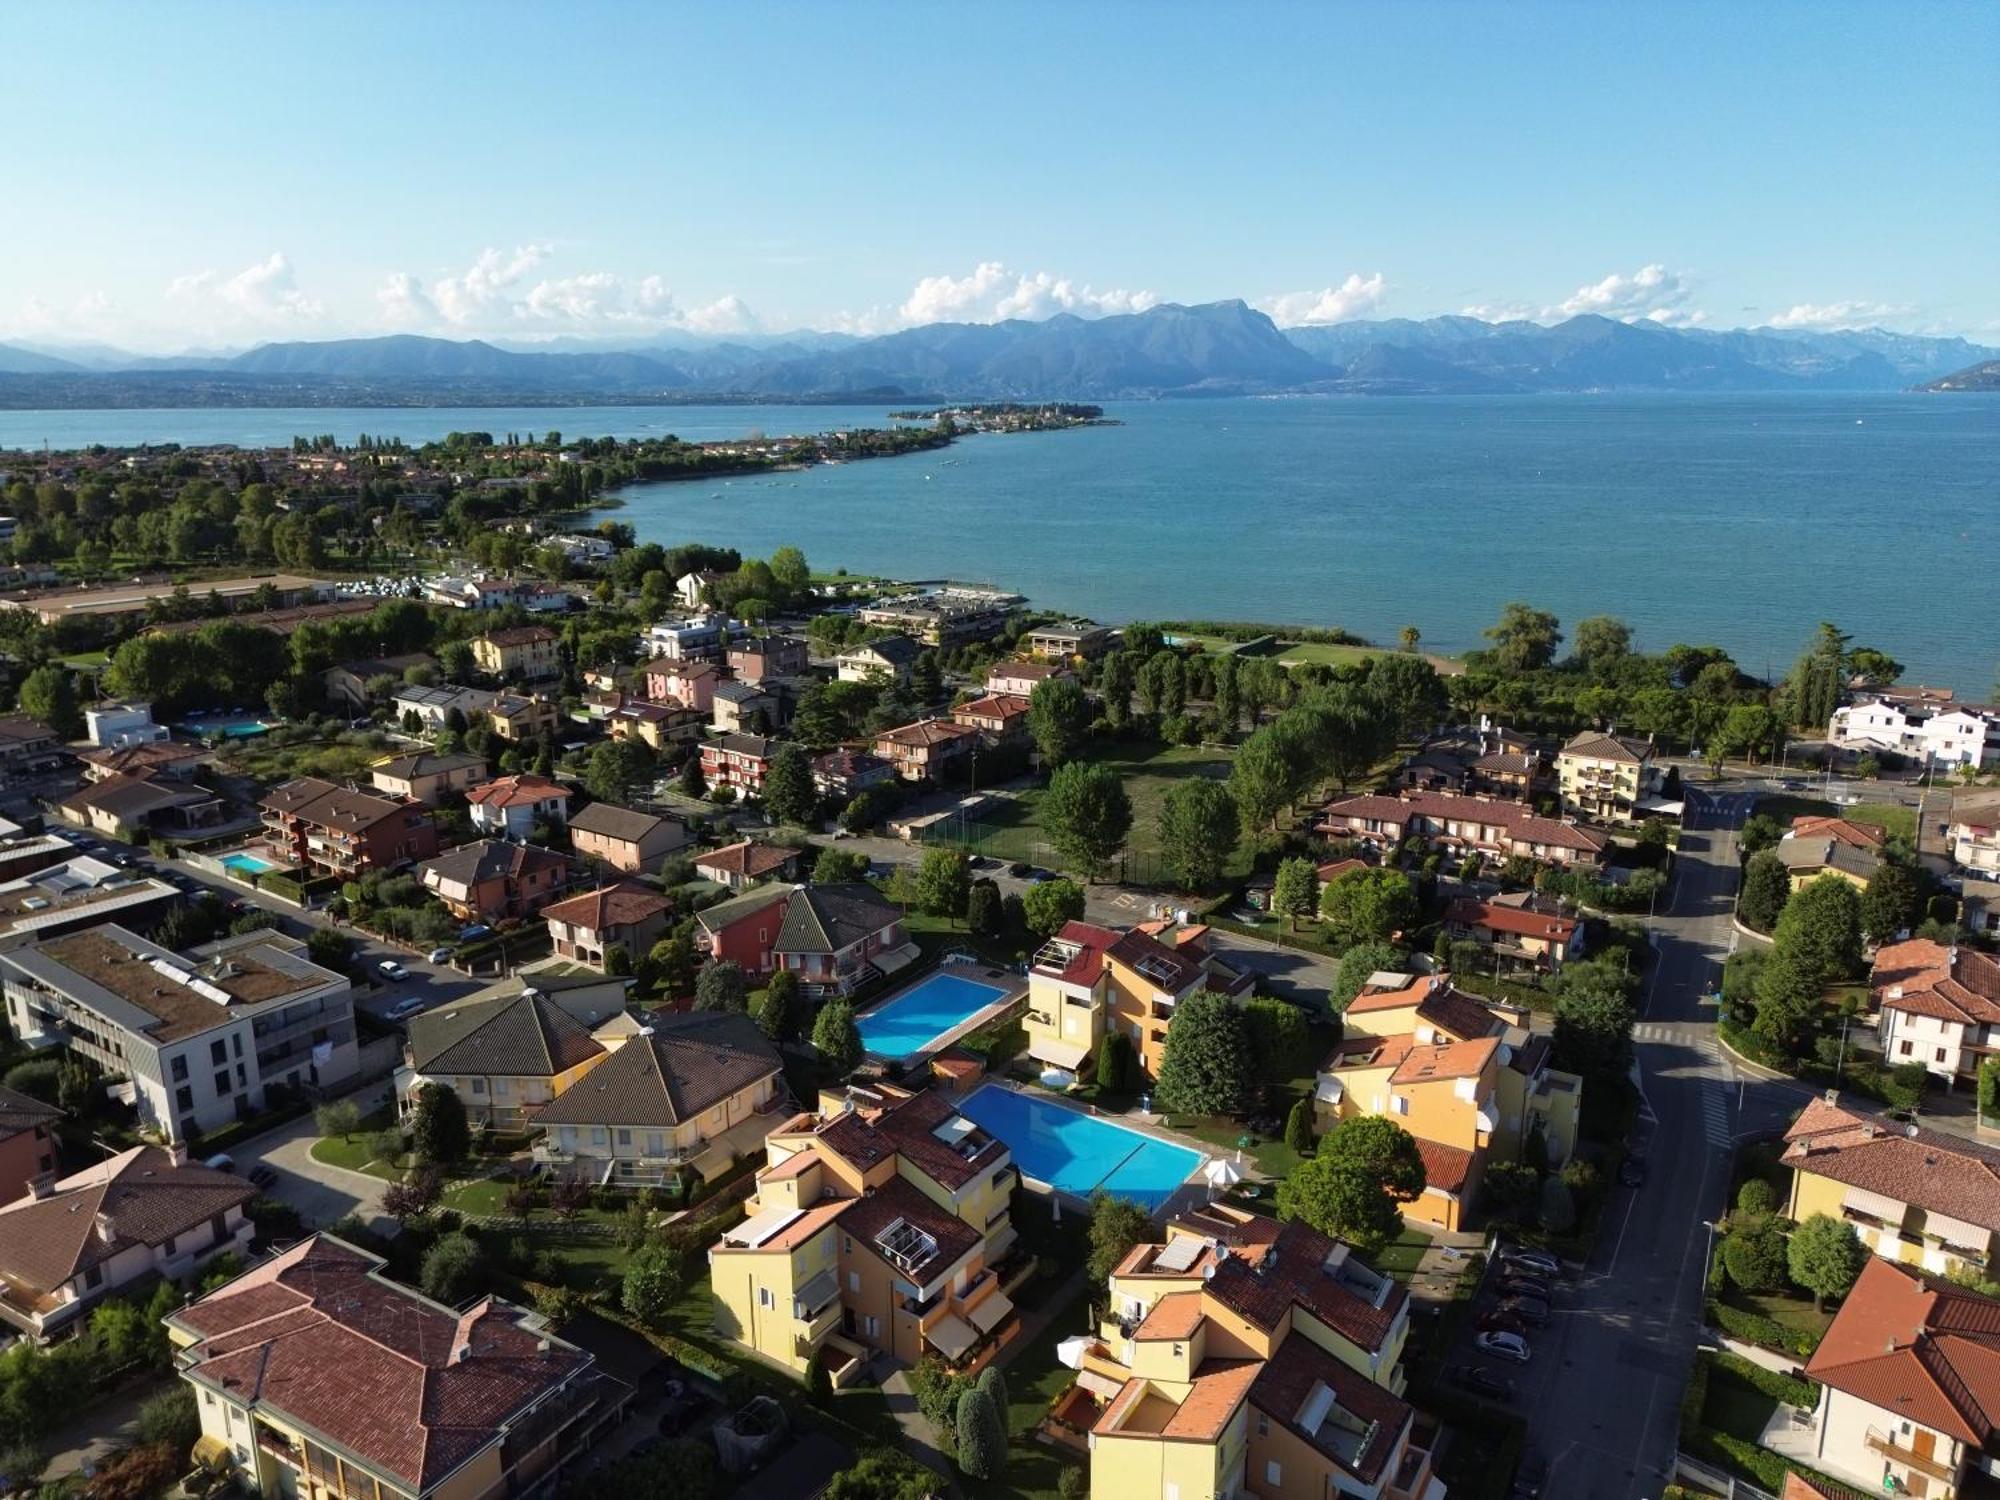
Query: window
x=502 y=1086
x=598 y=1136
x=1272 y=1473
x=93 y=1278
x=242 y=1078
x=853 y=1277
x=764 y=1297
x=168 y=1247
x=222 y=1082
x=1399 y=1104
x=217 y=1052
x=237 y=1039
x=179 y=1070
x=1940 y=1055
x=184 y=1098
x=1263 y=1425
x=1906 y=1049
x=656 y=1145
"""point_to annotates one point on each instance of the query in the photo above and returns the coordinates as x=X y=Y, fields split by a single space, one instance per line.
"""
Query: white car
x=402 y=1010
x=1538 y=1262
x=392 y=970
x=1505 y=1346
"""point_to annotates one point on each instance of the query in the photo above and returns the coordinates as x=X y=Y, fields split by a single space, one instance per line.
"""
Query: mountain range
x=1216 y=348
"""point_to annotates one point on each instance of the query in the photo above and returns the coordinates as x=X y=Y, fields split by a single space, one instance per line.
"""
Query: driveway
x=321 y=1193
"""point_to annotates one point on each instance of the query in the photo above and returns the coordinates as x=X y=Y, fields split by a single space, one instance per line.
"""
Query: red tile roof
x=625 y=904
x=749 y=859
x=1917 y=1347
x=1944 y=1174
x=517 y=791
x=1291 y=1271
x=1517 y=820
x=1445 y=1167
x=1287 y=1381
x=1923 y=978
x=1519 y=921
x=1840 y=830
x=868 y=1217
x=1452 y=1060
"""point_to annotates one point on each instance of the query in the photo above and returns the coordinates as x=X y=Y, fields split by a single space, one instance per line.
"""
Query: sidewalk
x=102 y=1430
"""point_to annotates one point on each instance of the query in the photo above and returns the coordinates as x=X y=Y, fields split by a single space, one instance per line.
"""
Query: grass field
x=354 y=1153
x=1898 y=820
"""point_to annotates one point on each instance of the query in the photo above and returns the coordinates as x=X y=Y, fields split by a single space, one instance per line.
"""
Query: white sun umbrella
x=1069 y=1352
x=1221 y=1173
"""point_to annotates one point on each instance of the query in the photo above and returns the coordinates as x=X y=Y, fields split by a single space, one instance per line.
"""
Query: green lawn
x=1790 y=1312
x=485 y=1197
x=1897 y=820
x=353 y=1152
x=1736 y=1407
x=1034 y=1379
x=1399 y=1258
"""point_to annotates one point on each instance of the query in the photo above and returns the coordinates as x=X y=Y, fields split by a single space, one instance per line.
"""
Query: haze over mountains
x=1217 y=348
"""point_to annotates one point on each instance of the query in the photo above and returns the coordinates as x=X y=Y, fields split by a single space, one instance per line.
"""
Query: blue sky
x=219 y=174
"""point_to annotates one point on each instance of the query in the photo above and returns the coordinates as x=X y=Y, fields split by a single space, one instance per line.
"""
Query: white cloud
x=261 y=294
x=1333 y=304
x=484 y=287
x=1498 y=312
x=494 y=295
x=1650 y=292
x=1839 y=314
x=993 y=293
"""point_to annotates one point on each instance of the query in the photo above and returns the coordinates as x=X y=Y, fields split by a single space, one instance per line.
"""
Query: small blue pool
x=910 y=1022
x=1078 y=1153
x=248 y=864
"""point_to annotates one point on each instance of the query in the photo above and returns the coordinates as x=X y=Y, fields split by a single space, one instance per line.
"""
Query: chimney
x=40 y=1185
x=105 y=1231
x=177 y=1153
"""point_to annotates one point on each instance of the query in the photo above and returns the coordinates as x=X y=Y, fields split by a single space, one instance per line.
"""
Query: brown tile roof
x=514 y=1036
x=1608 y=747
x=1003 y=706
x=1938 y=1173
x=429 y=763
x=124 y=796
x=1151 y=959
x=608 y=820
x=1359 y=1051
x=1517 y=820
x=321 y=802
x=1798 y=1487
x=1858 y=835
x=1445 y=1167
x=748 y=859
x=1918 y=1347
x=1174 y=1316
x=1333 y=869
x=317 y=1336
x=517 y=791
x=831 y=918
x=1463 y=1016
x=1519 y=921
x=519 y=635
x=493 y=859
x=1292 y=1271
x=625 y=904
x=1928 y=979
x=1451 y=1060
x=1286 y=1382
x=684 y=1067
x=925 y=734
x=869 y=1217
x=143 y=760
x=1218 y=1389
x=19 y=1113
x=909 y=1127
x=142 y=1197
x=1410 y=995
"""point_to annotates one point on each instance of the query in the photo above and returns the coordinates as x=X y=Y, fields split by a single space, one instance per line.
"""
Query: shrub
x=653 y=1280
x=453 y=1269
x=1299 y=1127
x=170 y=1418
x=1755 y=1256
x=1793 y=1390
x=982 y=1435
x=819 y=1384
x=1695 y=1397
x=1756 y=1200
x=1116 y=1065
x=1765 y=1333
x=1074 y=1484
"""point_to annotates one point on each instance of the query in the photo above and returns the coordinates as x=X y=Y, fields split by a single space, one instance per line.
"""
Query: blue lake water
x=1738 y=520
x=1078 y=1153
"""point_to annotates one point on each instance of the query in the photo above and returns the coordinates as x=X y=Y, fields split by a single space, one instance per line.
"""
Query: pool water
x=248 y=864
x=1078 y=1153
x=906 y=1025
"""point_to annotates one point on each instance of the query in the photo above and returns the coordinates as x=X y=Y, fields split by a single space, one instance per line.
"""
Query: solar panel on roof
x=1180 y=1254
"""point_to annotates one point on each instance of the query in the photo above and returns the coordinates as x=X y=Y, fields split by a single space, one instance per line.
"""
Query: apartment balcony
x=811 y=1331
x=1885 y=1444
x=280 y=1447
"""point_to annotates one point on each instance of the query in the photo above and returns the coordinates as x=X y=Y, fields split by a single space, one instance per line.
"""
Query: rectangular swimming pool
x=908 y=1023
x=249 y=864
x=1078 y=1153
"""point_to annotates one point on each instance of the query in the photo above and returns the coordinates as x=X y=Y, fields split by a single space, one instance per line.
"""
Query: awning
x=1101 y=1386
x=952 y=1336
x=1062 y=1054
x=817 y=1293
x=991 y=1311
x=891 y=960
x=715 y=1161
x=213 y=1451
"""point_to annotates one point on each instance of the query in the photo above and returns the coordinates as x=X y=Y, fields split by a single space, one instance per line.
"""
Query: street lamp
x=1707 y=1257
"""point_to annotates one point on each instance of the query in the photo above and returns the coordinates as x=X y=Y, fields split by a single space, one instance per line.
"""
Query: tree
x=836 y=1037
x=1356 y=964
x=994 y=1384
x=1198 y=831
x=1767 y=885
x=341 y=1117
x=1410 y=692
x=1820 y=927
x=883 y=1474
x=1116 y=1225
x=778 y=1010
x=982 y=1436
x=944 y=881
x=1299 y=1127
x=1384 y=1150
x=1754 y=1256
x=617 y=770
x=1525 y=639
x=1281 y=1043
x=1117 y=1067
x=652 y=1283
x=1787 y=997
x=1266 y=775
x=837 y=866
x=1593 y=1033
x=1511 y=1189
x=438 y=1132
x=1087 y=815
x=1756 y=1199
x=1368 y=905
x=1058 y=718
x=789 y=795
x=1825 y=1257
x=1047 y=906
x=720 y=986
x=1819 y=678
x=1602 y=643
x=984 y=915
x=1295 y=890
x=1341 y=1199
x=1557 y=1206
x=1892 y=904
x=413 y=1197
x=47 y=694
x=790 y=571
x=819 y=1384
x=453 y=1269
x=1205 y=1069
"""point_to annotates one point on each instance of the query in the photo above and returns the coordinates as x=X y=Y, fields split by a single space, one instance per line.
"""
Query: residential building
x=1933 y=733
x=757 y=657
x=129 y=807
x=1978 y=905
x=1021 y=678
x=145 y=1213
x=633 y=842
x=492 y=880
x=741 y=865
x=1483 y=759
x=202 y=1038
x=348 y=682
x=427 y=776
x=509 y=807
x=1525 y=930
x=1088 y=980
x=1487 y=825
x=524 y=653
x=1936 y=1005
x=742 y=929
x=1070 y=639
x=434 y=706
x=1972 y=829
x=878 y=1223
x=1468 y=1079
x=848 y=773
x=1001 y=717
x=343 y=831
x=738 y=708
x=469 y=593
x=1245 y=1357
x=80 y=892
x=836 y=936
x=886 y=660
x=692 y=588
x=131 y=601
x=738 y=760
x=112 y=726
x=520 y=717
x=624 y=917
x=506 y=1056
x=1813 y=847
x=1909 y=1373
x=927 y=750
x=27 y=1142
x=697 y=638
x=151 y=760
x=1608 y=778
x=691 y=684
x=28 y=748
x=701 y=1090
x=654 y=725
x=1915 y=1196
x=317 y=1375
x=946 y=616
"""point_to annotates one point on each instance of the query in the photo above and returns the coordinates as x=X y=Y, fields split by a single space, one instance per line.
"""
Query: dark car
x=262 y=1175
x=1529 y=1478
x=1500 y=1320
x=1019 y=869
x=1632 y=1171
x=1530 y=1310
x=1527 y=1286
x=1483 y=1382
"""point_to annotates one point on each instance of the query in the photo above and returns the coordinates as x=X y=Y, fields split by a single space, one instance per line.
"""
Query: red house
x=738 y=760
x=27 y=1142
x=742 y=929
x=336 y=830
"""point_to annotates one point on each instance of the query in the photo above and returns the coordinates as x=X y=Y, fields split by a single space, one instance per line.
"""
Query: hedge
x=1793 y=1390
x=1695 y=1398
x=1765 y=1333
x=282 y=886
x=1759 y=1465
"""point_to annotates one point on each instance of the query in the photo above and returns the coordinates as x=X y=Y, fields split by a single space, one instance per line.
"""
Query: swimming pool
x=1078 y=1153
x=910 y=1022
x=248 y=864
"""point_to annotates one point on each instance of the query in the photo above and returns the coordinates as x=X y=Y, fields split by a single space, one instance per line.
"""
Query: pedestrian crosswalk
x=1715 y=1111
x=1652 y=1031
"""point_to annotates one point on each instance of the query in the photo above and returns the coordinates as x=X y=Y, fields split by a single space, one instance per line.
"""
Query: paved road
x=320 y=1193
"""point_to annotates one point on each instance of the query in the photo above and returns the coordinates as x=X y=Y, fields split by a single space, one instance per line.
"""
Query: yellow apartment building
x=1088 y=980
x=1605 y=776
x=526 y=653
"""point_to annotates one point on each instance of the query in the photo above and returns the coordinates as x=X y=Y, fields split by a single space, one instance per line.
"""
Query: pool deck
x=1015 y=986
x=1191 y=1191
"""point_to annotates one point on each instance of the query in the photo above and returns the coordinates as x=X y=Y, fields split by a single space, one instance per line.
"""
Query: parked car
x=263 y=1175
x=1500 y=1320
x=402 y=1010
x=474 y=933
x=1529 y=1478
x=438 y=956
x=1540 y=1262
x=222 y=1161
x=1532 y=1311
x=1504 y=1345
x=1020 y=869
x=392 y=970
x=1527 y=1286
x=1482 y=1381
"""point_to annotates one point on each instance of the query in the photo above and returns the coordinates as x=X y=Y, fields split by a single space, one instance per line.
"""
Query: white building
x=113 y=726
x=200 y=1038
x=433 y=705
x=1972 y=832
x=697 y=638
x=1940 y=734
